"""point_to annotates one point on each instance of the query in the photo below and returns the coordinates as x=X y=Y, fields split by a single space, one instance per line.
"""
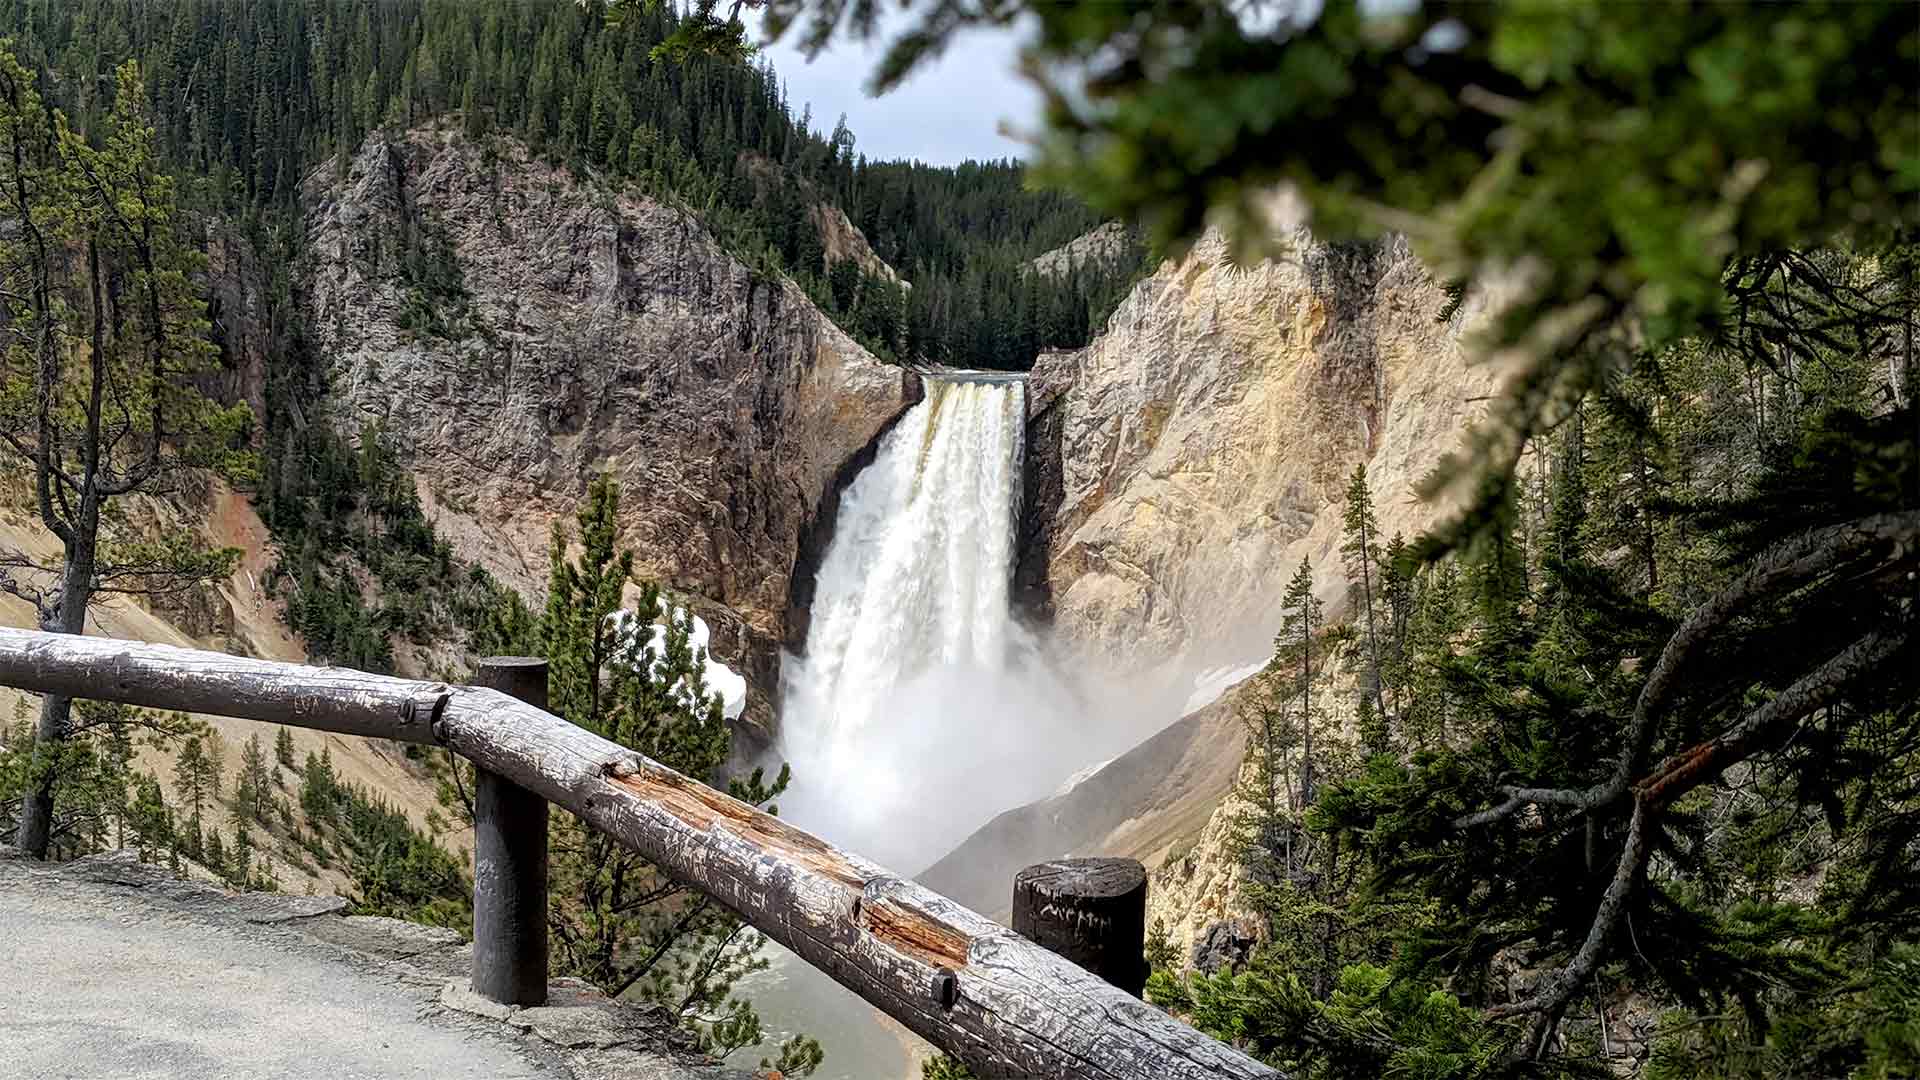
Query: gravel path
x=112 y=969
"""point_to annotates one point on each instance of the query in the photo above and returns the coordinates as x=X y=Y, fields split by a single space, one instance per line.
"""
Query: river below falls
x=860 y=1041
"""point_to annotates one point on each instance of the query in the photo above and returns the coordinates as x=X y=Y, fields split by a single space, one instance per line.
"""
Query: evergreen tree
x=193 y=840
x=615 y=919
x=1299 y=623
x=1360 y=554
x=283 y=748
x=214 y=853
x=152 y=828
x=242 y=875
x=253 y=791
x=1263 y=834
x=93 y=217
x=319 y=789
x=196 y=773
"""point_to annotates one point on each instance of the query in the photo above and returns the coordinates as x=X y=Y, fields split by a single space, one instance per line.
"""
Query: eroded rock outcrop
x=1102 y=244
x=1183 y=464
x=515 y=330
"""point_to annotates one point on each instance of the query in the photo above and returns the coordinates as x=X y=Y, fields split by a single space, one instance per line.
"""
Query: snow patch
x=1211 y=683
x=721 y=679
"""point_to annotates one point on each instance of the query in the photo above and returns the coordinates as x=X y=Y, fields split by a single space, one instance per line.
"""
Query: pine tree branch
x=1682 y=773
x=668 y=941
x=1787 y=565
x=648 y=898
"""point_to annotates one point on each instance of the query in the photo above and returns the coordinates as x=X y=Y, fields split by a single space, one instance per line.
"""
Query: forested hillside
x=250 y=96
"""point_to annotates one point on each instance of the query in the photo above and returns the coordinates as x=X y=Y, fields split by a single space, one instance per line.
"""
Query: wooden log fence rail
x=995 y=999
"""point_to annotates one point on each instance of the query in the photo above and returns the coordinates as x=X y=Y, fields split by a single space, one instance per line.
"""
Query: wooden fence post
x=510 y=860
x=1090 y=911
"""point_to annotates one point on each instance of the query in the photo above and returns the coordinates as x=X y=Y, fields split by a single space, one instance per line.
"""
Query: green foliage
x=196 y=772
x=1371 y=1025
x=643 y=95
x=615 y=919
x=435 y=302
x=1161 y=953
x=396 y=869
x=942 y=1067
x=103 y=342
x=339 y=511
x=699 y=32
x=319 y=788
x=106 y=260
x=1863 y=1023
x=1360 y=554
x=101 y=801
x=1528 y=757
x=253 y=790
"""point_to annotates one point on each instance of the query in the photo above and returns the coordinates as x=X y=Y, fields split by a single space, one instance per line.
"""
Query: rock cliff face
x=1179 y=468
x=1183 y=464
x=1102 y=244
x=516 y=330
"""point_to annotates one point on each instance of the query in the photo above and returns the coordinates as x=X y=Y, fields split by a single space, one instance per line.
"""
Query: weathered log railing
x=991 y=997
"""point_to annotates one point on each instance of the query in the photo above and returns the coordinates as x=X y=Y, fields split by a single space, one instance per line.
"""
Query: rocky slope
x=1179 y=468
x=589 y=330
x=1182 y=465
x=238 y=616
x=1102 y=244
x=841 y=239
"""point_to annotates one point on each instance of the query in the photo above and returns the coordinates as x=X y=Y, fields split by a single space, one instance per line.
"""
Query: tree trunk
x=1306 y=711
x=36 y=809
x=1373 y=635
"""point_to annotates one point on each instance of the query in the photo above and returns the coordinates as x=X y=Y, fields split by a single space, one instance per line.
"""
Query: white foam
x=922 y=707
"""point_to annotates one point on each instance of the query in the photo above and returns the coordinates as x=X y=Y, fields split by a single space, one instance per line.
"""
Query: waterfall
x=921 y=707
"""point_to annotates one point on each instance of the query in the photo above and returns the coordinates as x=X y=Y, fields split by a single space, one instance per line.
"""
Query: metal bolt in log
x=1090 y=911
x=510 y=860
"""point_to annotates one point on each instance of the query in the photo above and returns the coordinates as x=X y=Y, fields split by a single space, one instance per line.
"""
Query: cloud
x=947 y=112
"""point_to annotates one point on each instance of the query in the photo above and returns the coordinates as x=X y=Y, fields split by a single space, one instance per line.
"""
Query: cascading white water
x=921 y=707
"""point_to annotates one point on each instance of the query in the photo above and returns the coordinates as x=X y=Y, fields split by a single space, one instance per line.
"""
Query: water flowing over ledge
x=921 y=706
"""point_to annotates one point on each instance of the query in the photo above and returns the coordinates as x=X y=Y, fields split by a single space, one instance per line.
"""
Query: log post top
x=1093 y=879
x=522 y=677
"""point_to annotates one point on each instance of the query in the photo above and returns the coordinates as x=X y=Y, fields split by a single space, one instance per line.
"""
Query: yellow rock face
x=1203 y=446
x=1205 y=440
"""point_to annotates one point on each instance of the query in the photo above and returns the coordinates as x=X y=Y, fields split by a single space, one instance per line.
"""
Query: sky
x=946 y=112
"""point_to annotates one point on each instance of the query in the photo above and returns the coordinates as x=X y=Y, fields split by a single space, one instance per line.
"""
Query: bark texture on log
x=193 y=680
x=1091 y=911
x=971 y=987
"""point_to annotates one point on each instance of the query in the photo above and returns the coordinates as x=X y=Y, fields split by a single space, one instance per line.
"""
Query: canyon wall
x=1184 y=463
x=1179 y=469
x=515 y=329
